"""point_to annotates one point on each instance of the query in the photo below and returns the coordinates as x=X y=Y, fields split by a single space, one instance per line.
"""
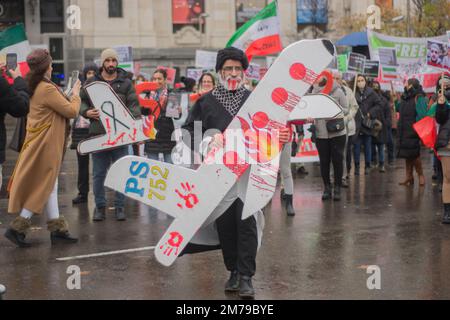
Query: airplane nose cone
x=329 y=46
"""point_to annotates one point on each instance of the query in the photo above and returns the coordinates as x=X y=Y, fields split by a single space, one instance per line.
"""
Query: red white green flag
x=14 y=40
x=260 y=36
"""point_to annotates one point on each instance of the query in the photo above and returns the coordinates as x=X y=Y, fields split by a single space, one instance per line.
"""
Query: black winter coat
x=124 y=89
x=163 y=141
x=212 y=115
x=384 y=115
x=442 y=117
x=408 y=141
x=369 y=103
x=14 y=100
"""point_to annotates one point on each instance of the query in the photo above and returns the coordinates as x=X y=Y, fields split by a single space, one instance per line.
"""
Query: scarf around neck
x=230 y=100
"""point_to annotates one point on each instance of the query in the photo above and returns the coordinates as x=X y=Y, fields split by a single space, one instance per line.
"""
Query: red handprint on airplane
x=189 y=197
x=173 y=243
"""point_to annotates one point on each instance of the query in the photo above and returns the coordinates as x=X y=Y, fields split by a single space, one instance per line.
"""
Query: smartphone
x=11 y=61
x=75 y=76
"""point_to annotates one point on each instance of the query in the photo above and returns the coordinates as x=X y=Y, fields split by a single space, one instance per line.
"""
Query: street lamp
x=397 y=19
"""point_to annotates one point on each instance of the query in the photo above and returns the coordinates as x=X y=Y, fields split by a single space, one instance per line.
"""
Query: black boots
x=99 y=214
x=232 y=285
x=80 y=199
x=288 y=199
x=62 y=237
x=337 y=193
x=59 y=232
x=289 y=206
x=246 y=290
x=446 y=217
x=120 y=214
x=327 y=193
x=17 y=231
x=241 y=284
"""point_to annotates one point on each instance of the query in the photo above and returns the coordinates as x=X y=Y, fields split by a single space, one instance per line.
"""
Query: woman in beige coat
x=34 y=184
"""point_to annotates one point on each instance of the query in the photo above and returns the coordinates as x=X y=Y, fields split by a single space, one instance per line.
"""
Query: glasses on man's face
x=433 y=51
x=231 y=68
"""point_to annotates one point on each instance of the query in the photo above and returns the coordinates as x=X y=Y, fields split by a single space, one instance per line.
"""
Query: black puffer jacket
x=408 y=140
x=14 y=100
x=369 y=103
x=124 y=89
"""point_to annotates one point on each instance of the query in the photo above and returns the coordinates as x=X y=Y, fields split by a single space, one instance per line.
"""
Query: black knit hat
x=90 y=66
x=231 y=53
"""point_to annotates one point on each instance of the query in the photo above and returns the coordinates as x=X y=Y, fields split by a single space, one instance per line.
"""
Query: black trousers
x=238 y=239
x=83 y=174
x=331 y=151
x=349 y=153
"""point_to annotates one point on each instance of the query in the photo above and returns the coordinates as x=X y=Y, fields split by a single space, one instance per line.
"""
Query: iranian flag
x=14 y=40
x=259 y=36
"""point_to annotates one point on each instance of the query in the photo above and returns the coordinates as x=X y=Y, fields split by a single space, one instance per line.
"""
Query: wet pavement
x=321 y=253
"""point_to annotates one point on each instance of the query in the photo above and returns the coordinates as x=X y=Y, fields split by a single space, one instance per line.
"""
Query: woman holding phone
x=33 y=186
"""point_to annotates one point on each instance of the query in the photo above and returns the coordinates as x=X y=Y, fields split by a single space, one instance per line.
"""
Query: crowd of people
x=370 y=120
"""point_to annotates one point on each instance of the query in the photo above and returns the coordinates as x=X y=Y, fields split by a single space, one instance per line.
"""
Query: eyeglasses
x=231 y=68
x=207 y=81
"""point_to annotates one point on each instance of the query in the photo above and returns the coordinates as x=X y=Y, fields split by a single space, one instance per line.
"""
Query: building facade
x=166 y=32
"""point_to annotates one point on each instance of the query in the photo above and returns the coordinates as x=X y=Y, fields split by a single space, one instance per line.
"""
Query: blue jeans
x=378 y=155
x=101 y=163
x=155 y=156
x=390 y=145
x=367 y=141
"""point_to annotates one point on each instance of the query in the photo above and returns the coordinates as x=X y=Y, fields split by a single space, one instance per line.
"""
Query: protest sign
x=205 y=59
x=388 y=63
x=173 y=108
x=437 y=56
x=253 y=71
x=356 y=62
x=371 y=68
x=411 y=55
x=125 y=55
x=307 y=151
x=194 y=73
x=341 y=61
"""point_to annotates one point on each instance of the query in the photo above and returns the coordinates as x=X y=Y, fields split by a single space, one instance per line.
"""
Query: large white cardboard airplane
x=190 y=196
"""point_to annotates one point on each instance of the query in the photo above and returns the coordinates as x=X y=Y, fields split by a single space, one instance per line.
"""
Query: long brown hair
x=35 y=76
